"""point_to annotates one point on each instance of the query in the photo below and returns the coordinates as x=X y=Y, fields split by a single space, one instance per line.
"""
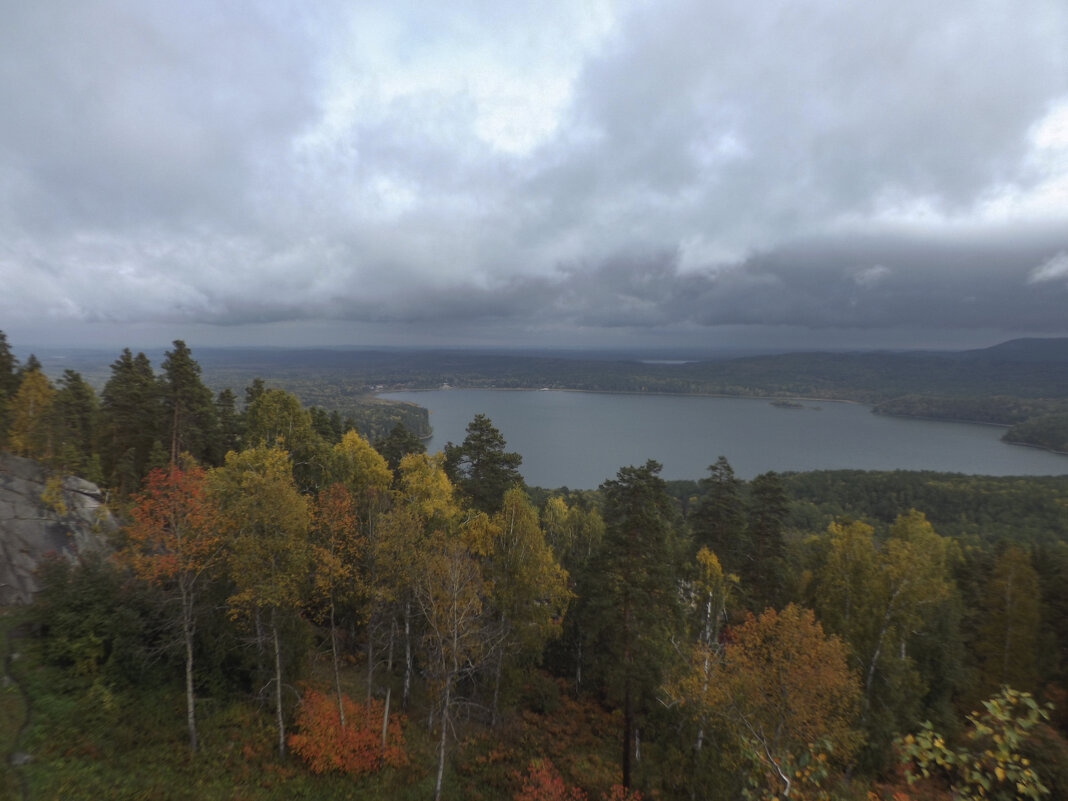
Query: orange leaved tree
x=171 y=543
x=359 y=745
x=783 y=690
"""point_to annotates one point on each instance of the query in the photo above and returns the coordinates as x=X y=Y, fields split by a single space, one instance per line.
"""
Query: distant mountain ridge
x=1026 y=349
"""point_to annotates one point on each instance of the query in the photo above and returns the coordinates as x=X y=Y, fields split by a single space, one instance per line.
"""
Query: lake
x=579 y=439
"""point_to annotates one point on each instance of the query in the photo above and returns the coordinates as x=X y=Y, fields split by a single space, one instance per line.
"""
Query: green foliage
x=1008 y=636
x=879 y=597
x=97 y=626
x=632 y=611
x=398 y=443
x=762 y=569
x=719 y=520
x=230 y=425
x=74 y=426
x=31 y=428
x=979 y=510
x=989 y=763
x=52 y=497
x=480 y=467
x=979 y=408
x=9 y=384
x=1046 y=431
x=130 y=423
x=275 y=419
x=189 y=423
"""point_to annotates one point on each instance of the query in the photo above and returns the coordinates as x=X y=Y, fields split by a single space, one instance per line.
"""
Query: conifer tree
x=719 y=521
x=229 y=425
x=397 y=444
x=188 y=423
x=761 y=569
x=480 y=467
x=75 y=420
x=9 y=384
x=633 y=611
x=129 y=422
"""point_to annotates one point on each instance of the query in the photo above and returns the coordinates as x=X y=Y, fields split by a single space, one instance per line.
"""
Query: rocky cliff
x=74 y=521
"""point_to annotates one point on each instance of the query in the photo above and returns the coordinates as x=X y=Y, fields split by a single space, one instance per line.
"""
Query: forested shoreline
x=292 y=609
x=1020 y=383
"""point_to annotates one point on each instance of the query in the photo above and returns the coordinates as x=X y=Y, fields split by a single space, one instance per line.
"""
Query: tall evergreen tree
x=632 y=608
x=75 y=413
x=9 y=384
x=129 y=422
x=397 y=444
x=762 y=568
x=229 y=425
x=481 y=468
x=189 y=422
x=33 y=364
x=719 y=520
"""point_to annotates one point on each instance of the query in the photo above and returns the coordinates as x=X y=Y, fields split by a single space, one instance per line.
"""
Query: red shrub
x=355 y=748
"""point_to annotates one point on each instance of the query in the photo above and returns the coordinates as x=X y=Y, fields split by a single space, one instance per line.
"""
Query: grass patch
x=12 y=709
x=91 y=742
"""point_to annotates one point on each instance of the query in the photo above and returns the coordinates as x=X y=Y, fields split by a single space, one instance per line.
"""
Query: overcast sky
x=703 y=172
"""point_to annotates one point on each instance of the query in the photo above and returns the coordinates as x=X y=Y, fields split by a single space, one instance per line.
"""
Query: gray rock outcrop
x=29 y=529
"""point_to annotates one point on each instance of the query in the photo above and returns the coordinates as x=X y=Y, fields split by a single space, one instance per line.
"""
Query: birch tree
x=265 y=520
x=172 y=542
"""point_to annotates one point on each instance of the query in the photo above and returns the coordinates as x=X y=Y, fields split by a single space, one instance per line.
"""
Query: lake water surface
x=579 y=439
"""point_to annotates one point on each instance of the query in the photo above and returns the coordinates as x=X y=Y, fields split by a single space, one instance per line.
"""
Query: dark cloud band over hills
x=613 y=171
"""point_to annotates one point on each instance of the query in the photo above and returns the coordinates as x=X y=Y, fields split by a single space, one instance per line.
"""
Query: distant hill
x=1033 y=349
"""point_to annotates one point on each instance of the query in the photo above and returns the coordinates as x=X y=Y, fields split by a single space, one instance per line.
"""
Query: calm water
x=578 y=439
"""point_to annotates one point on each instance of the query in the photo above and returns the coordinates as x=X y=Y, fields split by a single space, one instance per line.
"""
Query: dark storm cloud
x=681 y=165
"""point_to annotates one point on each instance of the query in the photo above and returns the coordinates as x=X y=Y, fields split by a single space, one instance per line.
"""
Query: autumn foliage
x=355 y=748
x=544 y=783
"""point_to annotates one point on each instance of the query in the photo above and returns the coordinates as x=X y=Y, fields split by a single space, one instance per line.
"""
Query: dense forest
x=295 y=609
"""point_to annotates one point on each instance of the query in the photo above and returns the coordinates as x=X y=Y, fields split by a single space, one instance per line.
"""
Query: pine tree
x=75 y=420
x=9 y=384
x=397 y=444
x=188 y=423
x=481 y=468
x=129 y=422
x=719 y=521
x=761 y=570
x=632 y=609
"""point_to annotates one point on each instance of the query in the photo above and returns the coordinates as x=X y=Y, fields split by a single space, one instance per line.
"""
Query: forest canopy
x=292 y=607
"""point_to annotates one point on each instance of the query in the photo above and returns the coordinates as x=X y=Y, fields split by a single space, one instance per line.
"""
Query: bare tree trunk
x=392 y=640
x=259 y=640
x=628 y=710
x=370 y=656
x=337 y=671
x=385 y=719
x=441 y=741
x=407 y=653
x=278 y=687
x=188 y=631
x=578 y=664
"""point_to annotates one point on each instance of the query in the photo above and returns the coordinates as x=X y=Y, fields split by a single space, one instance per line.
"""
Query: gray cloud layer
x=642 y=166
